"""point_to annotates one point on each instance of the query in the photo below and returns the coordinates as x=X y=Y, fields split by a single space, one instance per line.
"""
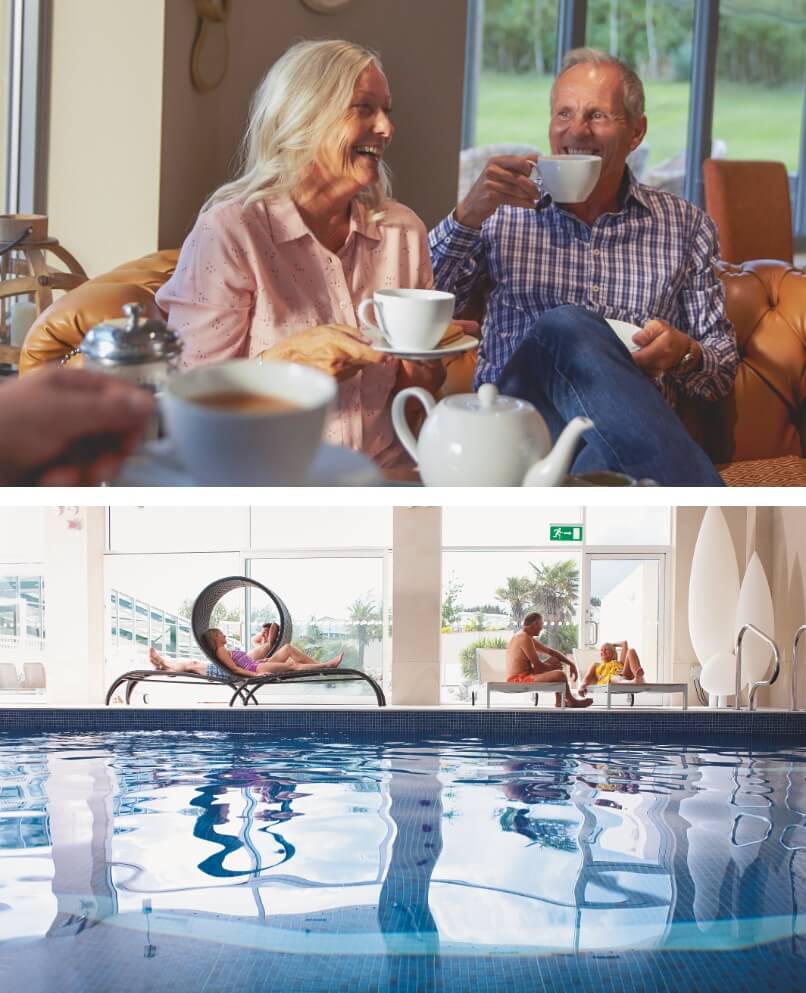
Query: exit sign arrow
x=565 y=532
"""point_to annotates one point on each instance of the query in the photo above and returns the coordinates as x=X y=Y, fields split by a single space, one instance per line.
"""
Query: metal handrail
x=762 y=682
x=795 y=642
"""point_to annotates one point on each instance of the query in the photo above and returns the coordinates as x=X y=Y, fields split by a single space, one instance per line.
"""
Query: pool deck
x=621 y=723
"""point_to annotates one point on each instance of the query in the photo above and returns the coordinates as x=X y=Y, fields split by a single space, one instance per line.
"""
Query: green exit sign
x=565 y=532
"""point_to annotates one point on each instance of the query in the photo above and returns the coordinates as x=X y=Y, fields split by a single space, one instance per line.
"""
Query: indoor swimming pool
x=212 y=861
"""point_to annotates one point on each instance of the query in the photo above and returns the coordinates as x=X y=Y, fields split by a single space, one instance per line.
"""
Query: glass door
x=624 y=600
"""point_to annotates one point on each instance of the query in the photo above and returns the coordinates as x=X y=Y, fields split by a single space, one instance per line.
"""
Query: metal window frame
x=28 y=107
x=701 y=96
x=572 y=17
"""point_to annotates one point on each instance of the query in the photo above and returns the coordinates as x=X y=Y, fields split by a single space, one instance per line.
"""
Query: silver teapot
x=143 y=352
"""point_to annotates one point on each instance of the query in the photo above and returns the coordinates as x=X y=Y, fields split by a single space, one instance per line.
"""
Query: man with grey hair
x=554 y=273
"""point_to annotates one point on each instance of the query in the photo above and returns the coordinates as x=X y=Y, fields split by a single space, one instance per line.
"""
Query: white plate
x=625 y=332
x=464 y=344
x=158 y=465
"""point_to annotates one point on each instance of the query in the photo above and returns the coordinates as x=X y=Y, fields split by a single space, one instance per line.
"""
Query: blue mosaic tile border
x=636 y=726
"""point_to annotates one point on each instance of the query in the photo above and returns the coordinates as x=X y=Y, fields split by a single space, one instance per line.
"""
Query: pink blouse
x=248 y=276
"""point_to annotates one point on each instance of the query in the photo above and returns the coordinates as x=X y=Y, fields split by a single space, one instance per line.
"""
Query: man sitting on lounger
x=287 y=658
x=624 y=669
x=524 y=664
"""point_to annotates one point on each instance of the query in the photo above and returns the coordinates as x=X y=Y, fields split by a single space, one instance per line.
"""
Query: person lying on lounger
x=624 y=669
x=287 y=658
x=524 y=664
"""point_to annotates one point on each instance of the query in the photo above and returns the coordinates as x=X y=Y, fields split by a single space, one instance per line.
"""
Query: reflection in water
x=406 y=853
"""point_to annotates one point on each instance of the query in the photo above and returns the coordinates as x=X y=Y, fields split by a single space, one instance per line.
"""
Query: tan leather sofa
x=757 y=433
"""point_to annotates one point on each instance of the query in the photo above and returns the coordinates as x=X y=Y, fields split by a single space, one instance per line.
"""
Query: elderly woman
x=303 y=235
x=626 y=668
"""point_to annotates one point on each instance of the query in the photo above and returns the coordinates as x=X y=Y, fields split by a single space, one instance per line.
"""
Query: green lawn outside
x=756 y=123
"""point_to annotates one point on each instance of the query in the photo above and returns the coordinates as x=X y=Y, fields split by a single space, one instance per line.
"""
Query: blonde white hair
x=300 y=104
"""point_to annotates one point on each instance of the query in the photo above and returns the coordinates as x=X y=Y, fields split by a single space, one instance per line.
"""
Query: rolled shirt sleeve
x=702 y=301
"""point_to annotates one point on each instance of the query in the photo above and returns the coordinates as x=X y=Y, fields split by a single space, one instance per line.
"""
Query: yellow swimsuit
x=606 y=670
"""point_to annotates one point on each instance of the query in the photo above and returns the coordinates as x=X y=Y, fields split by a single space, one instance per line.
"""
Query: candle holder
x=27 y=274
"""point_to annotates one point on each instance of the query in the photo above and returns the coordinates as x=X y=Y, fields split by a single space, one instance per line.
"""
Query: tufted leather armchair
x=763 y=418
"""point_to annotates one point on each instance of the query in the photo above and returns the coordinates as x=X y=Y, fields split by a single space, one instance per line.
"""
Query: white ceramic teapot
x=483 y=439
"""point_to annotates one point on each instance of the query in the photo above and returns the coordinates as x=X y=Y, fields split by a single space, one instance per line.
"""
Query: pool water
x=235 y=862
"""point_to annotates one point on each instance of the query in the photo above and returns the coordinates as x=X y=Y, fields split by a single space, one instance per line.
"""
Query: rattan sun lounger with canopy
x=244 y=689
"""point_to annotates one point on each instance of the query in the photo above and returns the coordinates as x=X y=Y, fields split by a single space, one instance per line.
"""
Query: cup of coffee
x=246 y=421
x=409 y=320
x=569 y=178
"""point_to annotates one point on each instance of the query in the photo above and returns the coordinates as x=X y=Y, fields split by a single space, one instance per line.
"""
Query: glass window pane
x=277 y=528
x=655 y=39
x=485 y=596
x=759 y=93
x=336 y=605
x=628 y=526
x=518 y=53
x=625 y=606
x=177 y=529
x=493 y=527
x=165 y=586
x=512 y=82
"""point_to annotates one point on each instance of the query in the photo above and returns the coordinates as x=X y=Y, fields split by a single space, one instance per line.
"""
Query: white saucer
x=463 y=344
x=158 y=465
x=625 y=332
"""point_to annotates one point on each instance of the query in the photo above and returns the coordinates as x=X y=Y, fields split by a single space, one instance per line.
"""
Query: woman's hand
x=336 y=349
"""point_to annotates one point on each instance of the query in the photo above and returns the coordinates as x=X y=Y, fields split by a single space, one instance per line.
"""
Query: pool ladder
x=795 y=643
x=775 y=669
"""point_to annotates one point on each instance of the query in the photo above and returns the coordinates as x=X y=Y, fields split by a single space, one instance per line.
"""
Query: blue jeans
x=571 y=363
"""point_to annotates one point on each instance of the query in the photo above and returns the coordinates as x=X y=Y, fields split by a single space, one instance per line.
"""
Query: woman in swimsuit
x=287 y=658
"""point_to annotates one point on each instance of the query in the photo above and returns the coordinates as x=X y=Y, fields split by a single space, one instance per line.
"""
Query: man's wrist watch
x=686 y=364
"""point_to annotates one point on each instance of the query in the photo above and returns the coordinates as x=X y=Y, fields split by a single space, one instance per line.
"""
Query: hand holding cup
x=505 y=179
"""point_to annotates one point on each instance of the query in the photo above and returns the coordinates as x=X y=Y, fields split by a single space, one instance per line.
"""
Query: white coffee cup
x=231 y=446
x=410 y=320
x=569 y=178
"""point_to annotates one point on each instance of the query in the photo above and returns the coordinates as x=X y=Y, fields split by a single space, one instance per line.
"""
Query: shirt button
x=596 y=251
x=594 y=289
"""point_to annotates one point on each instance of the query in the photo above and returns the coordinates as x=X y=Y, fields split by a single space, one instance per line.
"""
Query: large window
x=758 y=68
x=149 y=599
x=517 y=66
x=761 y=59
x=329 y=565
x=595 y=574
x=486 y=594
x=656 y=39
x=337 y=605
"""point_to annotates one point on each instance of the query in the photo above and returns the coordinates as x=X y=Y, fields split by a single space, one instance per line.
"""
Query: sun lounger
x=491 y=678
x=584 y=657
x=244 y=689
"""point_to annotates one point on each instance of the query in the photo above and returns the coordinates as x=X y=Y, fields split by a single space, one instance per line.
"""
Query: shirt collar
x=631 y=189
x=287 y=224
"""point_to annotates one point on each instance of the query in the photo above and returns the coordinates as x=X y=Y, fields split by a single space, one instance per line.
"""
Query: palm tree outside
x=365 y=622
x=518 y=596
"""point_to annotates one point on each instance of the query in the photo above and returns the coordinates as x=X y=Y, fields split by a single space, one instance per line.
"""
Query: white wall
x=74 y=606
